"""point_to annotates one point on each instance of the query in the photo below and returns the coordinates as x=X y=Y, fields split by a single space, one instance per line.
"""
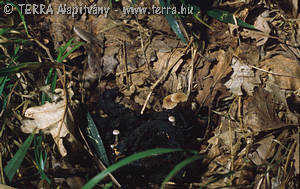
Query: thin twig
x=125 y=63
x=278 y=74
x=191 y=75
x=63 y=82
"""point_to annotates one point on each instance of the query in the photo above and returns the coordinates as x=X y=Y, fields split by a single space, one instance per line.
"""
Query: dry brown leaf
x=159 y=22
x=279 y=98
x=109 y=64
x=167 y=59
x=286 y=67
x=174 y=81
x=248 y=53
x=262 y=151
x=48 y=118
x=261 y=24
x=278 y=94
x=243 y=77
x=260 y=112
x=207 y=82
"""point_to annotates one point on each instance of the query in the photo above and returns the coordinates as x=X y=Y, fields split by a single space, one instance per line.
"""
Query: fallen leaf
x=286 y=67
x=260 y=112
x=166 y=59
x=49 y=119
x=261 y=24
x=159 y=22
x=248 y=53
x=279 y=97
x=262 y=150
x=209 y=81
x=243 y=77
x=109 y=64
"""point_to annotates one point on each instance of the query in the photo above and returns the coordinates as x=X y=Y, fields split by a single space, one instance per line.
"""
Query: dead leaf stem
x=63 y=82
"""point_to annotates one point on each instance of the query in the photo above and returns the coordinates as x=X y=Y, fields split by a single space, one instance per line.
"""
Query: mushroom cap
x=168 y=103
x=116 y=132
x=172 y=119
x=178 y=97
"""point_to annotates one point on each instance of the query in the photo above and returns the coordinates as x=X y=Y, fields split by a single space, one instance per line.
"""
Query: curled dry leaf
x=49 y=119
x=243 y=77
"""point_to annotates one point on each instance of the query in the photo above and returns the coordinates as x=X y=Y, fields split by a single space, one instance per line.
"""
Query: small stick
x=125 y=63
x=283 y=75
x=191 y=71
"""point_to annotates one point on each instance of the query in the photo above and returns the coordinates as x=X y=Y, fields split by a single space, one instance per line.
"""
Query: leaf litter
x=242 y=104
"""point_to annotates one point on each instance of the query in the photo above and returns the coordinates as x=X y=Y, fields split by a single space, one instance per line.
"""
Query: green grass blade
x=94 y=138
x=178 y=167
x=53 y=83
x=40 y=157
x=24 y=67
x=61 y=56
x=172 y=21
x=226 y=17
x=4 y=30
x=202 y=22
x=13 y=165
x=108 y=185
x=16 y=50
x=125 y=161
x=18 y=41
x=3 y=81
x=20 y=13
x=47 y=81
x=62 y=49
x=77 y=45
x=4 y=103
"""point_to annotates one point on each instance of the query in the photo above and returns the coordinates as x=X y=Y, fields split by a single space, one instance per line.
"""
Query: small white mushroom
x=172 y=120
x=193 y=106
x=116 y=132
